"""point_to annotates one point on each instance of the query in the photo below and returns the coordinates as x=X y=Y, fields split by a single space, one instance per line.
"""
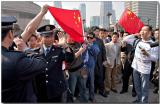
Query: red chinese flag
x=130 y=22
x=70 y=21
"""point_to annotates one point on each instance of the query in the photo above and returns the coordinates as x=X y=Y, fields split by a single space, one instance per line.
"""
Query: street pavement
x=125 y=98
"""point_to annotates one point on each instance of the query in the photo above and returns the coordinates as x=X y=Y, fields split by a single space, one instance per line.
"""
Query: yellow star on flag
x=77 y=19
x=131 y=15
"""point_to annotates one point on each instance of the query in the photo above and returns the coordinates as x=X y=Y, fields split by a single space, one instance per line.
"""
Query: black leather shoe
x=155 y=91
x=134 y=94
x=122 y=92
x=136 y=101
x=104 y=94
x=93 y=100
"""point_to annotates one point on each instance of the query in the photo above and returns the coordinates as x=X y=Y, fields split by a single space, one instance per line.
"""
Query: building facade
x=105 y=9
x=82 y=8
x=145 y=10
x=95 y=21
x=158 y=16
x=57 y=4
x=24 y=11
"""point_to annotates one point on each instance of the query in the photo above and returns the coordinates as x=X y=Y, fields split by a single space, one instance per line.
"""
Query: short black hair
x=33 y=35
x=91 y=34
x=126 y=32
x=149 y=27
x=4 y=32
x=115 y=33
x=102 y=29
x=156 y=29
x=93 y=28
x=122 y=32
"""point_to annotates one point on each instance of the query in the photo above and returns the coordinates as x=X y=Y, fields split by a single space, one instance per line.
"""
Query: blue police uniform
x=50 y=84
x=17 y=71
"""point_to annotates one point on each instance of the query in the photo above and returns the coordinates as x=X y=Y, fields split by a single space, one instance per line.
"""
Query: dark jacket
x=93 y=51
x=51 y=83
x=77 y=63
x=17 y=73
x=101 y=56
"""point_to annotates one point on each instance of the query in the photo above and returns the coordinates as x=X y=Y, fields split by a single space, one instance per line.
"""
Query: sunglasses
x=89 y=38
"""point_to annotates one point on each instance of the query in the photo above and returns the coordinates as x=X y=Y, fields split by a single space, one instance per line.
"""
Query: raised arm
x=34 y=23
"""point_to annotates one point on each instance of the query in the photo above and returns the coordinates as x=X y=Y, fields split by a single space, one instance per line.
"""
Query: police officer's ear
x=10 y=34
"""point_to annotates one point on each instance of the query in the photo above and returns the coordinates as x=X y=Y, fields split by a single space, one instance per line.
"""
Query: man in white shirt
x=141 y=64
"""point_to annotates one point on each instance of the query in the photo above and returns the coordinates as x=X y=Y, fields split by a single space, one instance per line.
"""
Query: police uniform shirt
x=46 y=49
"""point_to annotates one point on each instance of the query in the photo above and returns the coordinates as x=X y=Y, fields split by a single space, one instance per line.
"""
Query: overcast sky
x=92 y=8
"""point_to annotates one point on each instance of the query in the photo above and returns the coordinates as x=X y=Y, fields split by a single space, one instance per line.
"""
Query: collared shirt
x=45 y=49
x=141 y=62
x=115 y=48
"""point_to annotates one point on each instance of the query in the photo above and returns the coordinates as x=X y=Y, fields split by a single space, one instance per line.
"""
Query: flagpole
x=83 y=30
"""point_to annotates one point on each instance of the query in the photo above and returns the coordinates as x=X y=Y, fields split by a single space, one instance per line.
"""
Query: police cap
x=7 y=22
x=46 y=30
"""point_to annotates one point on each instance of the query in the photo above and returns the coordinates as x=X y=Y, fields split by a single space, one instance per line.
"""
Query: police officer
x=50 y=84
x=17 y=69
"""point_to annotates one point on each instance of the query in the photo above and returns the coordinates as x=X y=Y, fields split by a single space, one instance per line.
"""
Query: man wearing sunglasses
x=91 y=52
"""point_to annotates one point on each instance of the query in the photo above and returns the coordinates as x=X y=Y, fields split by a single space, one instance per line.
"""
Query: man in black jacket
x=17 y=69
x=99 y=69
x=50 y=84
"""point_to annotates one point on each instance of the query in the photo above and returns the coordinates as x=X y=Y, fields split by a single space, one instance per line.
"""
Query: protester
x=32 y=42
x=90 y=57
x=102 y=34
x=99 y=70
x=121 y=35
x=112 y=63
x=156 y=34
x=77 y=71
x=126 y=50
x=155 y=78
x=141 y=64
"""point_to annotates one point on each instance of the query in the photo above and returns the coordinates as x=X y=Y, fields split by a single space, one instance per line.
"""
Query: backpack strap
x=136 y=41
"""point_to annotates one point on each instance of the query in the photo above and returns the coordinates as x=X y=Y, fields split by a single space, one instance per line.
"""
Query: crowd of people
x=49 y=66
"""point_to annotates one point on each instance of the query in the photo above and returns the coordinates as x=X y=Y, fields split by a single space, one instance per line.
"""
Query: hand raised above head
x=44 y=9
x=61 y=39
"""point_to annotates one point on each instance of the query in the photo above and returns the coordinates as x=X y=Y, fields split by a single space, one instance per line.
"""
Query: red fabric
x=70 y=21
x=130 y=22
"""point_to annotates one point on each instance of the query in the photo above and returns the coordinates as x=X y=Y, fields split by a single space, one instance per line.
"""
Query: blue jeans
x=91 y=83
x=76 y=78
x=141 y=82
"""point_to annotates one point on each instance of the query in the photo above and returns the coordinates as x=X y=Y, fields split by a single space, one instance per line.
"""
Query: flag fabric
x=130 y=22
x=70 y=21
